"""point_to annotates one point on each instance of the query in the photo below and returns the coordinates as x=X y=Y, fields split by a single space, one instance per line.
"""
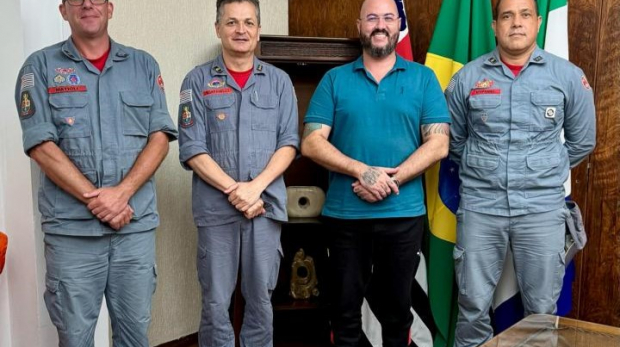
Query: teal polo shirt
x=377 y=124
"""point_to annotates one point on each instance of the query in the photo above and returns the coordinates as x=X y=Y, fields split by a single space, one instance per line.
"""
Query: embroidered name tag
x=226 y=90
x=66 y=89
x=485 y=91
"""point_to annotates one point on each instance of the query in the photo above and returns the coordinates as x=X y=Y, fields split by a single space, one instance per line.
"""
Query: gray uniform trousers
x=537 y=243
x=253 y=248
x=81 y=269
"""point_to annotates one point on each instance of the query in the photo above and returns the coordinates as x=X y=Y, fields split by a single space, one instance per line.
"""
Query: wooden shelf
x=307 y=50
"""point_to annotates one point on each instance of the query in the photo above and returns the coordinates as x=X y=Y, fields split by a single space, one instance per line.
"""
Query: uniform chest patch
x=226 y=90
x=65 y=70
x=485 y=83
x=26 y=106
x=74 y=79
x=495 y=91
x=59 y=79
x=66 y=89
x=216 y=83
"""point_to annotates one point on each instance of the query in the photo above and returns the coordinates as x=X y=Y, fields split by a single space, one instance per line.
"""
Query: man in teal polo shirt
x=376 y=124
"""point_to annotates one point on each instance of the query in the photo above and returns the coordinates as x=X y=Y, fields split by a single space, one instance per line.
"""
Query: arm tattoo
x=435 y=128
x=370 y=176
x=310 y=127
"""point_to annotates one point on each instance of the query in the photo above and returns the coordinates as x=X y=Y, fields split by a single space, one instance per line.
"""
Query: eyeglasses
x=374 y=19
x=81 y=2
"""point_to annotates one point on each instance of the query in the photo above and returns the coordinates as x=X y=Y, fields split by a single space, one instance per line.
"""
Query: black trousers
x=375 y=258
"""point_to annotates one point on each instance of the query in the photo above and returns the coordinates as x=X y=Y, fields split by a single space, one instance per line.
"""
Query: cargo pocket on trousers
x=458 y=254
x=275 y=271
x=53 y=302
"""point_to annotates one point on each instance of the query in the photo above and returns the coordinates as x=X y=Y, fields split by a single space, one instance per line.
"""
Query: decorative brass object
x=303 y=276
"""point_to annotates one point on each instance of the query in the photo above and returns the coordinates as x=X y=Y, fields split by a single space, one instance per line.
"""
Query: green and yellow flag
x=462 y=33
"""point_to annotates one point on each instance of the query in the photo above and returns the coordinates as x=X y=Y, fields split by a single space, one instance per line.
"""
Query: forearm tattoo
x=370 y=176
x=310 y=127
x=435 y=128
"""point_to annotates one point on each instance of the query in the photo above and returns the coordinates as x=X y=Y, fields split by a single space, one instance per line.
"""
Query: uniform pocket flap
x=489 y=163
x=483 y=102
x=68 y=100
x=219 y=101
x=264 y=101
x=536 y=163
x=547 y=98
x=137 y=99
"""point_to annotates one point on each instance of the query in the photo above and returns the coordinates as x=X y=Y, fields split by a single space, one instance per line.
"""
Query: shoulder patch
x=26 y=105
x=584 y=82
x=186 y=119
x=27 y=81
x=160 y=83
x=185 y=96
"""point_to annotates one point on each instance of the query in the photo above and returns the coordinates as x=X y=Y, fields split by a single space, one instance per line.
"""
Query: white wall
x=180 y=35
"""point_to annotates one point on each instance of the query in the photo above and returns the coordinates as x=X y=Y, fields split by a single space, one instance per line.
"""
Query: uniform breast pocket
x=220 y=113
x=485 y=114
x=136 y=114
x=264 y=112
x=547 y=110
x=70 y=113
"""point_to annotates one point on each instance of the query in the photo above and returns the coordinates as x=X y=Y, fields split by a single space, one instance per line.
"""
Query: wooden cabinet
x=305 y=59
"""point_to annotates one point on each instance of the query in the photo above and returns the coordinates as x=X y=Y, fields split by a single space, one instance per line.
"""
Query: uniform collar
x=219 y=67
x=538 y=57
x=400 y=64
x=117 y=52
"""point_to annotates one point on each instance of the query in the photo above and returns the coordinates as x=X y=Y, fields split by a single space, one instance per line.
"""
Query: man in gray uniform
x=94 y=118
x=509 y=108
x=238 y=133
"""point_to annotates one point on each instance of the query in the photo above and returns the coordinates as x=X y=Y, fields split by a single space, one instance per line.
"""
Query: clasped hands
x=110 y=205
x=245 y=197
x=376 y=183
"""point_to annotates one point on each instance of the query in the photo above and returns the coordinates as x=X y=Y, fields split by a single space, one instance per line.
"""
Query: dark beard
x=378 y=52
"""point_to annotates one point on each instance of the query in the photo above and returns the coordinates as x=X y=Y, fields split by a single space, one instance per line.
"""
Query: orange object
x=4 y=243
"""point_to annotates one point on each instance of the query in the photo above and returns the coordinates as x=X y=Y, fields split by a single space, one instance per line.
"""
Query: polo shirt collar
x=400 y=64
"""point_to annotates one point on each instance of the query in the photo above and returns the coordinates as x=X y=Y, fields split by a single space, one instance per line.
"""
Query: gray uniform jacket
x=506 y=132
x=100 y=120
x=239 y=129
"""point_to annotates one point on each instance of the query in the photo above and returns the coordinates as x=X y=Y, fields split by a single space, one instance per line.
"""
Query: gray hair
x=220 y=8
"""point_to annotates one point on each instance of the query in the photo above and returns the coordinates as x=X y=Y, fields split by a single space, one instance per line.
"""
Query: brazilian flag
x=463 y=32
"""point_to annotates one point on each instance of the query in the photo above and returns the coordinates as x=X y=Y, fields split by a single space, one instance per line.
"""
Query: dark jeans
x=376 y=258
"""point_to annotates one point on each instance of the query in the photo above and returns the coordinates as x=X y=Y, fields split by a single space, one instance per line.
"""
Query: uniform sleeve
x=322 y=105
x=160 y=117
x=579 y=119
x=192 y=117
x=456 y=98
x=35 y=115
x=434 y=108
x=288 y=129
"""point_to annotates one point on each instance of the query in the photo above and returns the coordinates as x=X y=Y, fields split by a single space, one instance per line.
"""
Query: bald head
x=371 y=6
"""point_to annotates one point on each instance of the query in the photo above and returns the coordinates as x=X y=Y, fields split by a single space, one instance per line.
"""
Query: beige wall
x=180 y=35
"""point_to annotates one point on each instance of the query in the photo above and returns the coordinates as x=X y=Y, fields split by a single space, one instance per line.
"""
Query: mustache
x=380 y=31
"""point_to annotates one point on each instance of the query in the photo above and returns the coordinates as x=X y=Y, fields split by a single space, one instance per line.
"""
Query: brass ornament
x=303 y=276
